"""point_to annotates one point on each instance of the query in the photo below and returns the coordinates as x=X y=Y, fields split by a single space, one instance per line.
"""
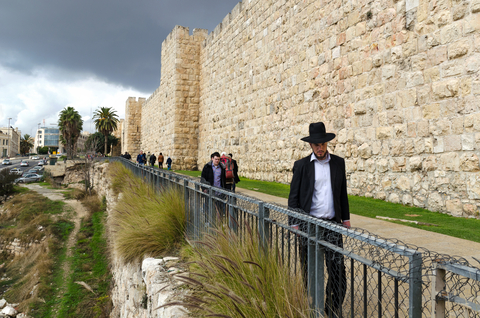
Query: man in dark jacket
x=153 y=158
x=141 y=158
x=319 y=189
x=213 y=173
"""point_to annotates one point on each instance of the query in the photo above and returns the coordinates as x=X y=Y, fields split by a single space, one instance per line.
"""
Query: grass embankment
x=454 y=226
x=144 y=222
x=31 y=278
x=89 y=285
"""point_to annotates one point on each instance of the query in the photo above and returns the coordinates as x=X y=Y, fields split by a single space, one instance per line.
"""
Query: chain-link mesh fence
x=348 y=272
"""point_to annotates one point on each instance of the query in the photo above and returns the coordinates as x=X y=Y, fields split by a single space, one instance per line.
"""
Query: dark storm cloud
x=118 y=41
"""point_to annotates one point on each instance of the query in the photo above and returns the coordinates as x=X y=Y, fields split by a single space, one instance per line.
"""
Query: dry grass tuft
x=234 y=280
x=144 y=223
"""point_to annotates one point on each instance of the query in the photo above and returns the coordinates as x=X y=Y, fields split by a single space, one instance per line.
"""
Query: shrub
x=144 y=222
x=234 y=279
x=7 y=181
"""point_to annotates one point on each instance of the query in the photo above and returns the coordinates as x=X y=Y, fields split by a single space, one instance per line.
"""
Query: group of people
x=221 y=171
x=145 y=159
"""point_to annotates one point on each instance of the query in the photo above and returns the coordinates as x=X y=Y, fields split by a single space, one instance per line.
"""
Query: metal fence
x=381 y=278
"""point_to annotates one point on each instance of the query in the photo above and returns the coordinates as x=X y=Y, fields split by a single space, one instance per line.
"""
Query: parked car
x=38 y=168
x=40 y=163
x=36 y=171
x=35 y=158
x=16 y=171
x=24 y=163
x=6 y=162
x=29 y=177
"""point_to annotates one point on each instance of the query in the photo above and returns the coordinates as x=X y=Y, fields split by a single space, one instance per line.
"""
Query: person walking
x=319 y=189
x=160 y=161
x=213 y=173
x=153 y=158
x=141 y=158
x=169 y=163
x=236 y=179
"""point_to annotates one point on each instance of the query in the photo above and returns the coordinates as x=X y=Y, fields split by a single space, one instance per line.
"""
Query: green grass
x=448 y=225
x=89 y=265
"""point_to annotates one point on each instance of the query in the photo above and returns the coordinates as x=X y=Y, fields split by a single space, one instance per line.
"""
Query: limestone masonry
x=397 y=81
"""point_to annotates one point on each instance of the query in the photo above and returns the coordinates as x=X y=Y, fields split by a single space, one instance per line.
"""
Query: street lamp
x=10 y=138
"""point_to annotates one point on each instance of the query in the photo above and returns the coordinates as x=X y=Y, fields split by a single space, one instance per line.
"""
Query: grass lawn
x=448 y=225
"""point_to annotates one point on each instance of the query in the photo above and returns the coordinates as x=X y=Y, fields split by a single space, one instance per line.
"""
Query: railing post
x=438 y=285
x=232 y=214
x=320 y=272
x=263 y=227
x=196 y=213
x=311 y=262
x=415 y=286
x=211 y=213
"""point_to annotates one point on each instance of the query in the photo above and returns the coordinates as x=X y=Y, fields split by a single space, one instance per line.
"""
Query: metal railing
x=382 y=278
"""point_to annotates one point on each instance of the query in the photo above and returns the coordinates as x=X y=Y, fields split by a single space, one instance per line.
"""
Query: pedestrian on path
x=169 y=163
x=160 y=161
x=319 y=189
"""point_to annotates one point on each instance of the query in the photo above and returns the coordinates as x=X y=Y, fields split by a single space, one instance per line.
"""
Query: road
x=16 y=164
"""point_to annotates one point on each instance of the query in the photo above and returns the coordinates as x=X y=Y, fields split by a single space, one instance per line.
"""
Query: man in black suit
x=319 y=189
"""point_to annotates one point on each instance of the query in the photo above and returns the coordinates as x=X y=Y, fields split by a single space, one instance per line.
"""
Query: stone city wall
x=397 y=81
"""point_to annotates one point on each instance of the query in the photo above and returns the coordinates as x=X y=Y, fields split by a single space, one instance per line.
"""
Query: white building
x=9 y=141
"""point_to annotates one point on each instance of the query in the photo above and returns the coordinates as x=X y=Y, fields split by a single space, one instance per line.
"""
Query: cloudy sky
x=86 y=53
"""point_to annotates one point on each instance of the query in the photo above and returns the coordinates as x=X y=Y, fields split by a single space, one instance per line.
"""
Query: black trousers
x=334 y=261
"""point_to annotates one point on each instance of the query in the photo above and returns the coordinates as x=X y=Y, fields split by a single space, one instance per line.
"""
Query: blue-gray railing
x=386 y=278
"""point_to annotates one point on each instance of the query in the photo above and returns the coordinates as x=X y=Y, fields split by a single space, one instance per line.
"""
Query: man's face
x=320 y=150
x=141 y=152
x=215 y=160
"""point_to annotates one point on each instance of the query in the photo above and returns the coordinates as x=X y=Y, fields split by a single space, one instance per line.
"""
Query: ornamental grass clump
x=231 y=278
x=145 y=221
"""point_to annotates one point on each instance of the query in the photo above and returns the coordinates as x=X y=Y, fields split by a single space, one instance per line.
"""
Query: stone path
x=435 y=242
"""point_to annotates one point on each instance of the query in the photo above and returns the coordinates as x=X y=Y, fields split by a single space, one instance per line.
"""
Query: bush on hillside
x=144 y=222
x=7 y=181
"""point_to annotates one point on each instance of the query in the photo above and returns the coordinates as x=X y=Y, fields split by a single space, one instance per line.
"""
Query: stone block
x=404 y=183
x=445 y=89
x=470 y=209
x=468 y=142
x=459 y=48
x=435 y=202
x=431 y=111
x=365 y=151
x=450 y=161
x=415 y=164
x=454 y=207
x=469 y=162
x=453 y=143
x=384 y=132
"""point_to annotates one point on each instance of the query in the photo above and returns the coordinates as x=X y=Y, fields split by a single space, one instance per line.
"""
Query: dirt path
x=79 y=212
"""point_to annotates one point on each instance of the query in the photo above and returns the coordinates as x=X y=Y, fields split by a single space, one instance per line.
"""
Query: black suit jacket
x=303 y=182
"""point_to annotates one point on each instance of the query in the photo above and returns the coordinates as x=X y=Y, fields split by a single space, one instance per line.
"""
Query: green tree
x=26 y=143
x=106 y=120
x=95 y=142
x=70 y=124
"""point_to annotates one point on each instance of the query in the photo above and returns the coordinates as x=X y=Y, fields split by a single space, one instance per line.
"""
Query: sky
x=87 y=53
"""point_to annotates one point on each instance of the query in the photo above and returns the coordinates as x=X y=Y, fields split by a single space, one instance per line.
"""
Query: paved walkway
x=434 y=242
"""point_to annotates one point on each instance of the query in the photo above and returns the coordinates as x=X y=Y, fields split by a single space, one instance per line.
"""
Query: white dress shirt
x=322 y=200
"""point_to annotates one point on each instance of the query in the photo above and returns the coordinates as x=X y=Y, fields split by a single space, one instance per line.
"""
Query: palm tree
x=106 y=121
x=26 y=143
x=70 y=124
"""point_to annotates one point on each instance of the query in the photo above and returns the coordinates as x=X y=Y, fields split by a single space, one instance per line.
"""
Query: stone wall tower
x=171 y=126
x=132 y=132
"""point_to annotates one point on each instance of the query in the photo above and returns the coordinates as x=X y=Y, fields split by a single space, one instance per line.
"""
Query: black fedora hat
x=318 y=134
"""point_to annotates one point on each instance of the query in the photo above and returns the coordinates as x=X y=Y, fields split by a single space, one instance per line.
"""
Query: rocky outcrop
x=9 y=310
